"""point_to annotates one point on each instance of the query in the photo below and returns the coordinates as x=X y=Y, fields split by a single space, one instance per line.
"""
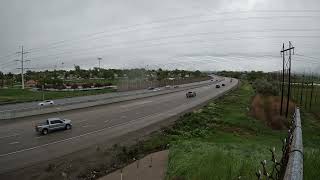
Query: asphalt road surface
x=30 y=105
x=21 y=146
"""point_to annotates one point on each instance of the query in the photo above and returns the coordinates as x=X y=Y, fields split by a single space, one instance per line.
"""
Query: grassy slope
x=19 y=95
x=221 y=142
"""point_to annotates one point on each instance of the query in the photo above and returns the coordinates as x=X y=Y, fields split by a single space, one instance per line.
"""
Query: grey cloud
x=134 y=31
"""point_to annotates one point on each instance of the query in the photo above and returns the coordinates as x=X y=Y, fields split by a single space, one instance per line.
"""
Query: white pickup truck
x=52 y=124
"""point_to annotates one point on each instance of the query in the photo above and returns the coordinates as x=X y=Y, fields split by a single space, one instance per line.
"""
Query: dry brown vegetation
x=267 y=109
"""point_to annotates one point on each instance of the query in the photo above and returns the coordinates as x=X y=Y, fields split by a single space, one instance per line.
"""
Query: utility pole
x=99 y=59
x=22 y=61
x=289 y=83
x=282 y=85
x=311 y=94
x=302 y=86
x=288 y=64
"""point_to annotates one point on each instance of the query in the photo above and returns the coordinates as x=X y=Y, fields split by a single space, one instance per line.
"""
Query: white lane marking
x=13 y=135
x=16 y=142
x=76 y=137
x=135 y=104
x=123 y=117
x=87 y=125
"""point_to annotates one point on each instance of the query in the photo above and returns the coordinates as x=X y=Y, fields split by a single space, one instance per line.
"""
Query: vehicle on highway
x=191 y=94
x=176 y=86
x=217 y=86
x=52 y=124
x=46 y=103
x=222 y=84
x=167 y=86
x=150 y=88
x=156 y=89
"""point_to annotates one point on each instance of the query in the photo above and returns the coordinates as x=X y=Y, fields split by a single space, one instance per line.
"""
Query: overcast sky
x=184 y=34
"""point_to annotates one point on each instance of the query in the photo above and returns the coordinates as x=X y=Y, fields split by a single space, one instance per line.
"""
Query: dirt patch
x=267 y=109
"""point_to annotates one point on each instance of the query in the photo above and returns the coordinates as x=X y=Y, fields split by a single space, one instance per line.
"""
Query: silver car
x=53 y=124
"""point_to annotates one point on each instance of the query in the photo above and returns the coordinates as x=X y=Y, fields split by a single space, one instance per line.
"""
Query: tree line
x=110 y=76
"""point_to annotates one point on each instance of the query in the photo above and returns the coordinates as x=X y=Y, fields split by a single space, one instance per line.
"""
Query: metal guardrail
x=290 y=167
x=294 y=170
x=24 y=112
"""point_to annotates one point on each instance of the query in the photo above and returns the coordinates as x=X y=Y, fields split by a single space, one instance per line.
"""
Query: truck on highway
x=52 y=124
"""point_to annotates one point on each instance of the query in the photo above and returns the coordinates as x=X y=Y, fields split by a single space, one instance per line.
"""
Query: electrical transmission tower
x=286 y=66
x=99 y=59
x=22 y=61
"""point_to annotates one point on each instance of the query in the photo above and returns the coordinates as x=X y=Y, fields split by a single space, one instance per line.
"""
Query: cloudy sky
x=184 y=34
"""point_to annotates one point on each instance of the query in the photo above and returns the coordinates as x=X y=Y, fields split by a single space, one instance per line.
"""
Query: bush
x=98 y=85
x=74 y=86
x=48 y=86
x=265 y=87
x=88 y=85
x=59 y=87
x=108 y=84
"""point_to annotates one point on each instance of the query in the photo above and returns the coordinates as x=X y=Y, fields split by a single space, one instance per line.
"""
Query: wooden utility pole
x=282 y=85
x=302 y=86
x=311 y=94
x=290 y=49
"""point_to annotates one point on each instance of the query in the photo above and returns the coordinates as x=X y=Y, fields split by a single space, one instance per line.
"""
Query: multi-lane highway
x=21 y=146
x=32 y=105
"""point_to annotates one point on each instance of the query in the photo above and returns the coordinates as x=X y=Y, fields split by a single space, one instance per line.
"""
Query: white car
x=46 y=103
x=156 y=89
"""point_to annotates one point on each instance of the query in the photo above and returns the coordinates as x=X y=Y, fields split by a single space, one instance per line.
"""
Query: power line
x=118 y=31
x=170 y=37
x=308 y=57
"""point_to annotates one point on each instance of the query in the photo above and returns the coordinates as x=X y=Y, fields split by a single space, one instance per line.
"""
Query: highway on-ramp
x=21 y=146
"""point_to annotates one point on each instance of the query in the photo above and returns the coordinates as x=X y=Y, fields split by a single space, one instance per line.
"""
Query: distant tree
x=74 y=86
x=2 y=78
x=107 y=74
x=197 y=73
x=98 y=85
x=10 y=78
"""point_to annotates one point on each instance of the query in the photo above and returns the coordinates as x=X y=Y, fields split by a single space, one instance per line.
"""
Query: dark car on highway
x=222 y=84
x=191 y=94
x=217 y=86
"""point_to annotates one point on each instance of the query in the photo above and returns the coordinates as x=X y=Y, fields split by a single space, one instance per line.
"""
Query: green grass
x=220 y=141
x=20 y=95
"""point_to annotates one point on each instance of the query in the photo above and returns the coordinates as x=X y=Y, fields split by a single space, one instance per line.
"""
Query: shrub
x=59 y=87
x=98 y=85
x=108 y=84
x=265 y=87
x=74 y=86
x=86 y=85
